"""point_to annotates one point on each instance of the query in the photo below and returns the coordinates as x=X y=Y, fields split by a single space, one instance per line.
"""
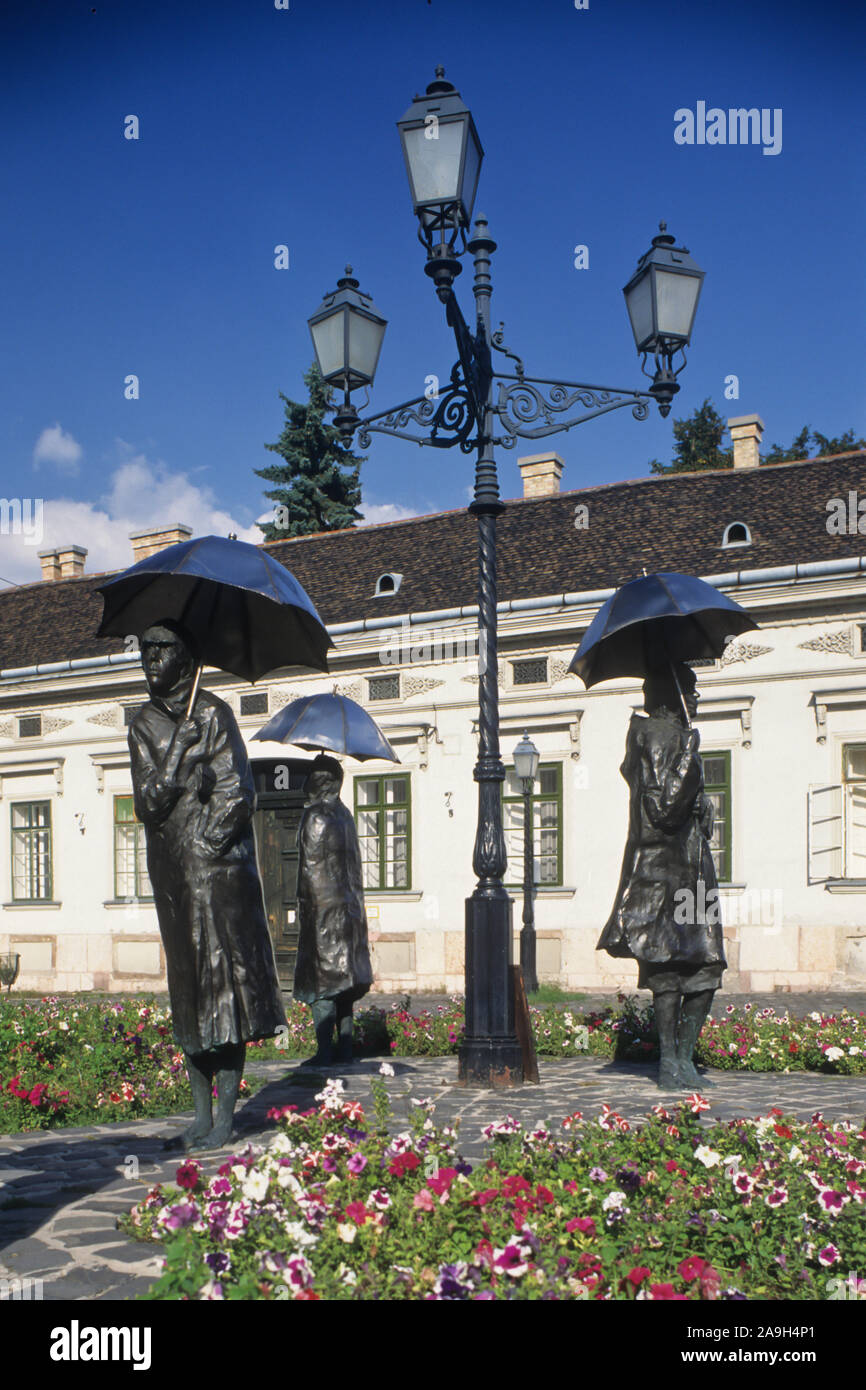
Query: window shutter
x=825 y=832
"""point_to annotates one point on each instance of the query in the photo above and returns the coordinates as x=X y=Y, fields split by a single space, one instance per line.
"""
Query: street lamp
x=347 y=331
x=479 y=408
x=526 y=758
x=662 y=298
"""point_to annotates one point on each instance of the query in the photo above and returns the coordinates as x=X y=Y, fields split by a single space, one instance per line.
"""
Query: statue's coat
x=333 y=954
x=666 y=851
x=201 y=858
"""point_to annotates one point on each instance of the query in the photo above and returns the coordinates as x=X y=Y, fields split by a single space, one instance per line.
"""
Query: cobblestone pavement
x=62 y=1192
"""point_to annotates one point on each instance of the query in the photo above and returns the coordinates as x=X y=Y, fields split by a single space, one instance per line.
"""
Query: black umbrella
x=247 y=612
x=329 y=721
x=668 y=617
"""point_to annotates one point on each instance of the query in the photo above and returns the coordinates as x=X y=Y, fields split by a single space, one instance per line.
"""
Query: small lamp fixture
x=662 y=298
x=443 y=156
x=526 y=759
x=347 y=331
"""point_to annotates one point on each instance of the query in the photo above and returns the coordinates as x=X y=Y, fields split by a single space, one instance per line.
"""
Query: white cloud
x=140 y=493
x=55 y=446
x=385 y=511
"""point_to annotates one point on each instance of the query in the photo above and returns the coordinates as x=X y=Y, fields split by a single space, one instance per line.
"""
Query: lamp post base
x=490 y=1054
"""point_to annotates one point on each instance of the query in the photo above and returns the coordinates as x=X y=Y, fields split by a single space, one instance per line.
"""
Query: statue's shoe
x=670 y=1079
x=691 y=1076
x=318 y=1061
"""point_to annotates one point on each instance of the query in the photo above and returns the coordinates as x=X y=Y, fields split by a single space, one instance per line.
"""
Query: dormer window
x=387 y=584
x=737 y=533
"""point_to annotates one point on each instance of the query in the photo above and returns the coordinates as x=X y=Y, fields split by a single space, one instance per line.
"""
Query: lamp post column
x=527 y=933
x=490 y=1054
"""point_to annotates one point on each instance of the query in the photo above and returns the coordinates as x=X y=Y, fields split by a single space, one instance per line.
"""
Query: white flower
x=347 y=1232
x=707 y=1156
x=386 y=1069
x=299 y=1234
x=255 y=1185
x=286 y=1178
x=64 y=1027
x=613 y=1199
x=853 y=1051
x=346 y=1275
x=833 y=1054
x=816 y=1018
x=796 y=1155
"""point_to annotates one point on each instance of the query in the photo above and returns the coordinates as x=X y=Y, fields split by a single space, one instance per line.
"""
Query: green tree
x=697 y=446
x=813 y=444
x=317 y=484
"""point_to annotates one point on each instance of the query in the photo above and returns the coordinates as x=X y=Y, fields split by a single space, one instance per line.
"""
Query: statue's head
x=660 y=689
x=168 y=656
x=325 y=779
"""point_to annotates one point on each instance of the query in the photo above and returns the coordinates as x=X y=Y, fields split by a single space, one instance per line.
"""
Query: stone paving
x=61 y=1192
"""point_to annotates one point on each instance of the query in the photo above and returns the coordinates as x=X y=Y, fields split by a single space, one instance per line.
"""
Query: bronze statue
x=666 y=914
x=194 y=792
x=333 y=964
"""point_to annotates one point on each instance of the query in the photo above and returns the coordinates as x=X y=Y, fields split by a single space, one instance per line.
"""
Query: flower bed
x=73 y=1063
x=336 y=1208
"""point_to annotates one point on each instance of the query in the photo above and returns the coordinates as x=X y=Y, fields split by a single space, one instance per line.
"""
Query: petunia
x=357 y=1163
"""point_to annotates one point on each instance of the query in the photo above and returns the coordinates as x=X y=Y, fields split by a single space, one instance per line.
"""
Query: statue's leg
x=324 y=1020
x=667 y=1013
x=344 y=1027
x=229 y=1069
x=694 y=1013
x=200 y=1073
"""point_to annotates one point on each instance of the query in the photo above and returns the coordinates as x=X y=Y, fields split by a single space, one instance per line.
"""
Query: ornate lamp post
x=478 y=409
x=526 y=758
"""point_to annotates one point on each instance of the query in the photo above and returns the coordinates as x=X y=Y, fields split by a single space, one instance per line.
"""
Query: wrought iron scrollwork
x=522 y=401
x=446 y=419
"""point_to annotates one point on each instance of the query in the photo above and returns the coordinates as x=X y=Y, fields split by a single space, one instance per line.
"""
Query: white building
x=782 y=719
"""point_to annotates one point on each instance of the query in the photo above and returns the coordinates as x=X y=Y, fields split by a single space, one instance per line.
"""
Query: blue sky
x=261 y=126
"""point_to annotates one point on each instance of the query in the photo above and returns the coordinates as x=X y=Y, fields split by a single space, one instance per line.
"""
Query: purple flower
x=217 y=1262
x=183 y=1214
x=356 y=1164
x=597 y=1175
x=356 y=1135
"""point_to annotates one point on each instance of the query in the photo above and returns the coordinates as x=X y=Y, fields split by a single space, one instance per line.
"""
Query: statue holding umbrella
x=333 y=968
x=666 y=914
x=216 y=602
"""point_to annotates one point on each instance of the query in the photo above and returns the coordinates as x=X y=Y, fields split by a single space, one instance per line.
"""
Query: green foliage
x=812 y=444
x=317 y=484
x=698 y=443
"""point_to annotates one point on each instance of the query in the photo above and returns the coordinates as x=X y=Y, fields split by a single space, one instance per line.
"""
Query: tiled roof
x=663 y=523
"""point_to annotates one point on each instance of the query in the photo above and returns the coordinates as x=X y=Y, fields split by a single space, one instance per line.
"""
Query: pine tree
x=698 y=444
x=318 y=483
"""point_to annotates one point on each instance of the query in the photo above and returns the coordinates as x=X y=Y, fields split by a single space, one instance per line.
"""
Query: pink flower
x=357 y=1212
x=356 y=1164
x=423 y=1201
x=777 y=1198
x=692 y=1268
x=666 y=1291
x=829 y=1255
x=442 y=1181
x=697 y=1103
x=637 y=1275
x=188 y=1174
x=584 y=1224
x=832 y=1202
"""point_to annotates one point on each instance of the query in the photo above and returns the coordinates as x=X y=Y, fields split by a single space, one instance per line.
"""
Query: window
x=30 y=726
x=31 y=851
x=130 y=859
x=254 y=704
x=736 y=534
x=862 y=629
x=532 y=672
x=382 y=815
x=854 y=810
x=384 y=687
x=387 y=584
x=546 y=825
x=717 y=785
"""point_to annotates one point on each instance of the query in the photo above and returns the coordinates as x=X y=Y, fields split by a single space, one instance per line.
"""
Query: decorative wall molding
x=502 y=681
x=742 y=651
x=557 y=670
x=109 y=717
x=824 y=700
x=840 y=642
x=52 y=723
x=351 y=690
x=416 y=685
x=33 y=768
x=7 y=728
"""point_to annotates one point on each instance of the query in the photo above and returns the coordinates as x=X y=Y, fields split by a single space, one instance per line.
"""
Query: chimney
x=541 y=474
x=50 y=564
x=746 y=431
x=148 y=542
x=71 y=559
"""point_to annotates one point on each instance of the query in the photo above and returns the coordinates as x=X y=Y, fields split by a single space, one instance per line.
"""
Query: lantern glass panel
x=365 y=342
x=328 y=340
x=676 y=297
x=435 y=163
x=639 y=301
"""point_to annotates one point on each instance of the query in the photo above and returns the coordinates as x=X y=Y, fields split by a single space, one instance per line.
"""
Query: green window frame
x=383 y=816
x=131 y=879
x=547 y=826
x=32 y=869
x=854 y=810
x=717 y=785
